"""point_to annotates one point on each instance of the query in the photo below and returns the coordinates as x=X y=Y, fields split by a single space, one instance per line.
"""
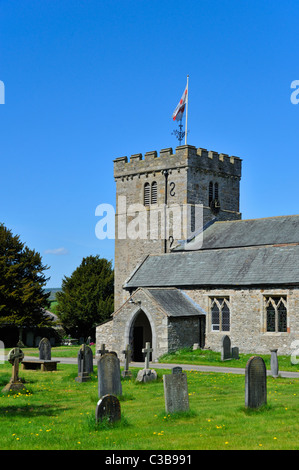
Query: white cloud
x=57 y=251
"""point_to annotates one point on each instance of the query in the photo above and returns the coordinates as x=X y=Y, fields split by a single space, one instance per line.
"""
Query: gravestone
x=88 y=363
x=102 y=350
x=108 y=407
x=255 y=383
x=15 y=356
x=44 y=349
x=146 y=374
x=274 y=363
x=109 y=382
x=84 y=366
x=226 y=352
x=235 y=353
x=127 y=352
x=176 y=391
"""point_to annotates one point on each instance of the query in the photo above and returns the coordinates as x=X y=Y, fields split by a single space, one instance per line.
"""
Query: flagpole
x=186 y=125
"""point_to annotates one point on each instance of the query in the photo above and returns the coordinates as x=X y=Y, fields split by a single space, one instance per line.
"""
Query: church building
x=178 y=283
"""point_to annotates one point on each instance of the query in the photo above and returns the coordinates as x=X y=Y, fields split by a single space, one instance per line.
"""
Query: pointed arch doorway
x=140 y=333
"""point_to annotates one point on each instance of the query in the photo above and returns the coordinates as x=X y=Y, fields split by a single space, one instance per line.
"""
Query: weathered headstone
x=127 y=352
x=176 y=391
x=109 y=382
x=146 y=374
x=274 y=363
x=108 y=407
x=226 y=348
x=84 y=365
x=235 y=353
x=45 y=349
x=255 y=383
x=15 y=356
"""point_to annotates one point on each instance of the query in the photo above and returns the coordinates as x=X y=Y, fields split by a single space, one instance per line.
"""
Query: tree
x=22 y=280
x=86 y=298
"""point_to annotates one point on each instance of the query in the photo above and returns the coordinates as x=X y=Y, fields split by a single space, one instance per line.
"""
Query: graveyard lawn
x=56 y=412
x=212 y=358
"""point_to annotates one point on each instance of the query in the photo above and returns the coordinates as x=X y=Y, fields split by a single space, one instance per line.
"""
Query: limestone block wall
x=248 y=327
x=190 y=170
x=118 y=333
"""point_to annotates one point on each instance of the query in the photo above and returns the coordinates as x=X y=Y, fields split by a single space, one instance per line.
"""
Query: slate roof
x=241 y=253
x=175 y=303
x=251 y=232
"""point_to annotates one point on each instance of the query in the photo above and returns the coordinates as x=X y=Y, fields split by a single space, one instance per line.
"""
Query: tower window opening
x=147 y=194
x=154 y=193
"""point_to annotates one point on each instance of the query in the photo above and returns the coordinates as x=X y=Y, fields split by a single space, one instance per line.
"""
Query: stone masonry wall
x=189 y=172
x=248 y=319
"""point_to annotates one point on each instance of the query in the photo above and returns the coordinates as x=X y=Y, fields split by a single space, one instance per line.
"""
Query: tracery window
x=276 y=314
x=220 y=314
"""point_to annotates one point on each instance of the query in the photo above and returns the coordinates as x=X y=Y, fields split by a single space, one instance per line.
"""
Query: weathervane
x=179 y=133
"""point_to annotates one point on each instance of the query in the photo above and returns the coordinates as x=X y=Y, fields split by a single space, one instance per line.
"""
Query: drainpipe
x=165 y=205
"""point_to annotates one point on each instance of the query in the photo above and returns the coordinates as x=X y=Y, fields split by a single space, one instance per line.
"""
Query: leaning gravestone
x=108 y=407
x=109 y=375
x=255 y=383
x=44 y=350
x=226 y=348
x=274 y=363
x=176 y=391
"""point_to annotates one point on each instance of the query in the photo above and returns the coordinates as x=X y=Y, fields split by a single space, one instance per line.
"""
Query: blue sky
x=89 y=81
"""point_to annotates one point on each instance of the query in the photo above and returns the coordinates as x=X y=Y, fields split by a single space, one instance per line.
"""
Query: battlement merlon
x=184 y=156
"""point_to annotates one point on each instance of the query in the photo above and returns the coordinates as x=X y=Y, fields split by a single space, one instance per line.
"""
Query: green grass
x=55 y=412
x=211 y=358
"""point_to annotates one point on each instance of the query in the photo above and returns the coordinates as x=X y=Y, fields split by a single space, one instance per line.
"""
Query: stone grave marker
x=226 y=352
x=176 y=391
x=84 y=366
x=235 y=353
x=146 y=374
x=102 y=350
x=274 y=363
x=108 y=407
x=15 y=356
x=109 y=382
x=255 y=383
x=44 y=349
x=127 y=352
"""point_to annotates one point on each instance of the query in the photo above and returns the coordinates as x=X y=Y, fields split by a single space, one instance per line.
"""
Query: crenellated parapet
x=184 y=156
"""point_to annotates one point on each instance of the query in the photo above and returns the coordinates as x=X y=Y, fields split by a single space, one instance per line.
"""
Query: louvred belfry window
x=147 y=194
x=154 y=193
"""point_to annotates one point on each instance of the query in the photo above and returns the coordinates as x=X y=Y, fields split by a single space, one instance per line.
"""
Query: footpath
x=189 y=367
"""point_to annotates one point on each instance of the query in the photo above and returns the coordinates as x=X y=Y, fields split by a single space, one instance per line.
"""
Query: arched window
x=154 y=193
x=220 y=314
x=147 y=194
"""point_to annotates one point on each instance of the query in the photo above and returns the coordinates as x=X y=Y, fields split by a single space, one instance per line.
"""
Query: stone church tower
x=145 y=187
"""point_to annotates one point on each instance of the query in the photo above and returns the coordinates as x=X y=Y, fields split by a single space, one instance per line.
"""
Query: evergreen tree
x=86 y=298
x=22 y=280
